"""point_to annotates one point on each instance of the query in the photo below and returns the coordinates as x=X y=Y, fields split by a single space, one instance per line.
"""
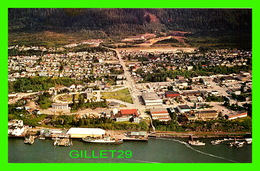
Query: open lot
x=123 y=95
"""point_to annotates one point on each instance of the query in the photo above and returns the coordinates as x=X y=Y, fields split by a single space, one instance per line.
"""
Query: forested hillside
x=124 y=22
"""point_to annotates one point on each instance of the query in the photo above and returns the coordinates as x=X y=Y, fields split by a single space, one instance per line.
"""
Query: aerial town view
x=129 y=85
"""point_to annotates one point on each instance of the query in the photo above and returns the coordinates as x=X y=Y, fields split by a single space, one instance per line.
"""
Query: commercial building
x=15 y=127
x=239 y=114
x=181 y=83
x=183 y=108
x=151 y=99
x=191 y=117
x=193 y=92
x=193 y=99
x=128 y=113
x=160 y=113
x=85 y=132
x=60 y=105
x=207 y=114
x=171 y=94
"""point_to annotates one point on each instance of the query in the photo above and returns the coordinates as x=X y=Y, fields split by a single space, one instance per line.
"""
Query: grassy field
x=123 y=95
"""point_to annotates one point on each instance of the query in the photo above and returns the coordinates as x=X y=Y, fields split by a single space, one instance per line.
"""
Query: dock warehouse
x=85 y=132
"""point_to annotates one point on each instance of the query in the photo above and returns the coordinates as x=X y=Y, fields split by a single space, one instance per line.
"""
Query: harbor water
x=159 y=150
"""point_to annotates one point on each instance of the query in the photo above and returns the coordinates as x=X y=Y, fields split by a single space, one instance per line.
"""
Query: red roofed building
x=180 y=77
x=240 y=114
x=160 y=113
x=171 y=94
x=128 y=112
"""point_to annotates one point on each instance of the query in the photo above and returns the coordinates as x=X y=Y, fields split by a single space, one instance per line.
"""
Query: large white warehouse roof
x=88 y=131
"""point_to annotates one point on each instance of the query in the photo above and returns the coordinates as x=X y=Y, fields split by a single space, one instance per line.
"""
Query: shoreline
x=168 y=134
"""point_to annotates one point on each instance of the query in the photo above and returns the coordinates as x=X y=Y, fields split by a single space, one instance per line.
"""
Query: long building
x=183 y=108
x=85 y=132
x=239 y=114
x=151 y=99
x=60 y=105
x=160 y=113
x=171 y=94
x=207 y=114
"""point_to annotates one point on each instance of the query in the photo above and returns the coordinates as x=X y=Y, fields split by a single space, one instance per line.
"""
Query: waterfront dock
x=29 y=140
x=63 y=142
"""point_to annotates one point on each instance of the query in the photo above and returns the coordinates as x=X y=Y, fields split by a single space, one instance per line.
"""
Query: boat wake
x=198 y=151
x=142 y=161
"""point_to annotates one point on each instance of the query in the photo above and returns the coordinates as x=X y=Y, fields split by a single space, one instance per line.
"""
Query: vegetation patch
x=123 y=95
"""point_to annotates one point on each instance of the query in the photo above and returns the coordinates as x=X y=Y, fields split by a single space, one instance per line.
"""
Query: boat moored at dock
x=237 y=144
x=63 y=142
x=104 y=140
x=215 y=142
x=196 y=143
x=29 y=140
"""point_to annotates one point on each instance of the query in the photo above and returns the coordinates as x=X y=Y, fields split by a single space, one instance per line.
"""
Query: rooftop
x=208 y=111
x=86 y=131
x=150 y=96
x=128 y=111
x=172 y=92
x=158 y=110
x=184 y=107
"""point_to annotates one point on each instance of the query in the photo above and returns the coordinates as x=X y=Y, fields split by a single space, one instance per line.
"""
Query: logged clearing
x=157 y=49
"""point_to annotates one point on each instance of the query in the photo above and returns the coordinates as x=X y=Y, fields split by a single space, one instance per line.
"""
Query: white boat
x=248 y=140
x=196 y=143
x=236 y=144
x=239 y=144
x=41 y=138
x=106 y=140
x=215 y=142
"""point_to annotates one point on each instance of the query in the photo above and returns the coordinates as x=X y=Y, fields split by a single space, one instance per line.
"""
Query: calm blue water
x=165 y=150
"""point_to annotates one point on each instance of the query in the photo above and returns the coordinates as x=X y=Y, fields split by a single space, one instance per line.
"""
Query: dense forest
x=105 y=23
x=38 y=83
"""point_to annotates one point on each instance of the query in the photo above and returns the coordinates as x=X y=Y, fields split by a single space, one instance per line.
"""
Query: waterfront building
x=190 y=116
x=207 y=114
x=15 y=127
x=127 y=114
x=85 y=132
x=239 y=114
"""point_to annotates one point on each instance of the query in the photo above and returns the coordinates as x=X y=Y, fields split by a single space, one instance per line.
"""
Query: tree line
x=38 y=83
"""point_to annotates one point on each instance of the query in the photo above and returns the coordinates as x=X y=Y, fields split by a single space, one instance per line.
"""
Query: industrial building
x=128 y=113
x=239 y=114
x=85 y=132
x=183 y=108
x=160 y=113
x=60 y=105
x=15 y=127
x=171 y=94
x=151 y=99
x=207 y=114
